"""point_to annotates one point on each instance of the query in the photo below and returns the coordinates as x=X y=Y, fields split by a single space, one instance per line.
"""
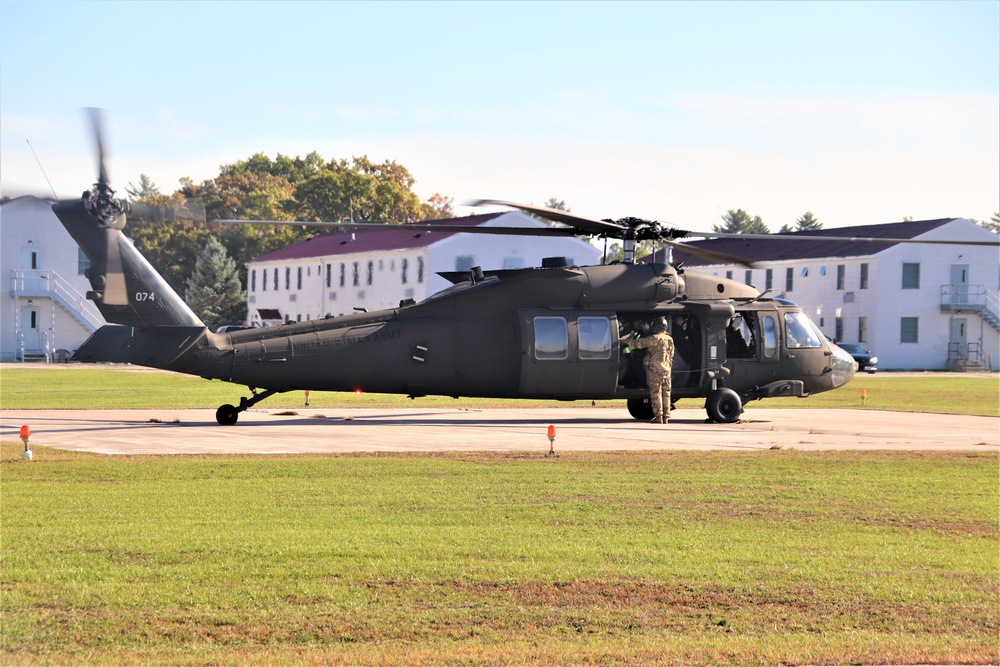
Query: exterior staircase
x=48 y=284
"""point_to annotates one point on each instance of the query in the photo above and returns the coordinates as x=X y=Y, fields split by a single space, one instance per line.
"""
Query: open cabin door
x=568 y=353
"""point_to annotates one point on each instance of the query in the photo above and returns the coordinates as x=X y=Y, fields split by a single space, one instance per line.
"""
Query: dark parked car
x=866 y=360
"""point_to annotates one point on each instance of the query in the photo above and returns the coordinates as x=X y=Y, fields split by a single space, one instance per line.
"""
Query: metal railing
x=38 y=283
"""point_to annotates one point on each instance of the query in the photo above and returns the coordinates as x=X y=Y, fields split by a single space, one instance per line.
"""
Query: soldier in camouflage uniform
x=659 y=360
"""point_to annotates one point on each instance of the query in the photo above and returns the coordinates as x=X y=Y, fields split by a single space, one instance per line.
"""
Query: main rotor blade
x=721 y=257
x=588 y=225
x=828 y=237
x=190 y=210
x=420 y=227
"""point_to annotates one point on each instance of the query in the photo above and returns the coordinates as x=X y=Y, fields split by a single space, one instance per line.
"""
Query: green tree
x=740 y=222
x=993 y=224
x=438 y=207
x=214 y=290
x=144 y=191
x=557 y=204
x=807 y=222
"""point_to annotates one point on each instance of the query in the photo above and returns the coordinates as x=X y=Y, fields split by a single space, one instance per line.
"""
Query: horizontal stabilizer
x=157 y=347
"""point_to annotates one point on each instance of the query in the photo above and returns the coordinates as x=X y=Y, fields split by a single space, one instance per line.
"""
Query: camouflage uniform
x=659 y=360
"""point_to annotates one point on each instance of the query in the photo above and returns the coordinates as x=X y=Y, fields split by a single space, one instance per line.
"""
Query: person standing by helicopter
x=659 y=360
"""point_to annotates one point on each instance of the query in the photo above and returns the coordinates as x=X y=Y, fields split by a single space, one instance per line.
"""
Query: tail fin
x=126 y=288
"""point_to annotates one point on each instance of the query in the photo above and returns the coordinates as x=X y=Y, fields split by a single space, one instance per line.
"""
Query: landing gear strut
x=227 y=415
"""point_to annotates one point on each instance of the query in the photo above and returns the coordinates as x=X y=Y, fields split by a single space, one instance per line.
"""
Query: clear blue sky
x=861 y=112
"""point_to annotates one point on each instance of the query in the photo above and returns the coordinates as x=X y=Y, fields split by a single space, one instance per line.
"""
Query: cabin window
x=551 y=338
x=864 y=276
x=770 y=337
x=741 y=341
x=841 y=272
x=911 y=275
x=908 y=329
x=800 y=332
x=595 y=337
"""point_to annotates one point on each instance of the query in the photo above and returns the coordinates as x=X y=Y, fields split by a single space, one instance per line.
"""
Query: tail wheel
x=640 y=408
x=227 y=415
x=724 y=406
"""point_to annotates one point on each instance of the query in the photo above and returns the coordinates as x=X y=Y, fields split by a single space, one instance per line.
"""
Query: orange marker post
x=552 y=439
x=864 y=395
x=26 y=436
x=307 y=398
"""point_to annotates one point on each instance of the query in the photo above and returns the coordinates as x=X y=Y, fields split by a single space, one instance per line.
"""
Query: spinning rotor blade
x=587 y=225
x=421 y=227
x=807 y=236
x=97 y=126
x=189 y=210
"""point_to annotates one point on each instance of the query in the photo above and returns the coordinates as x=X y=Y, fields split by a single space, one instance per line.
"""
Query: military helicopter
x=542 y=333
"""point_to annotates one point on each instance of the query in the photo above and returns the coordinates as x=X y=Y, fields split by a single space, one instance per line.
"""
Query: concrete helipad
x=165 y=431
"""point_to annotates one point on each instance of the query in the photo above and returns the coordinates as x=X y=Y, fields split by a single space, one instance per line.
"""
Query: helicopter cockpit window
x=551 y=338
x=770 y=337
x=595 y=337
x=800 y=332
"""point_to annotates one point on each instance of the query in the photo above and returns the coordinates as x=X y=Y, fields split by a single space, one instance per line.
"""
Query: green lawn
x=775 y=557
x=103 y=387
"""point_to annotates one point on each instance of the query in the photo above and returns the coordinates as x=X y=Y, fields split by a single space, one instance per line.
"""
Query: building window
x=370 y=273
x=329 y=272
x=841 y=271
x=911 y=275
x=789 y=277
x=822 y=270
x=862 y=329
x=404 y=266
x=729 y=275
x=805 y=271
x=748 y=277
x=82 y=262
x=908 y=329
x=420 y=270
x=768 y=279
x=275 y=279
x=253 y=280
x=838 y=328
x=343 y=273
x=356 y=275
x=864 y=276
x=298 y=281
x=288 y=277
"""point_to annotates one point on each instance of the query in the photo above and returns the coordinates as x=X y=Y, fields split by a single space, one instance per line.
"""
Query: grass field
x=775 y=557
x=74 y=386
x=707 y=558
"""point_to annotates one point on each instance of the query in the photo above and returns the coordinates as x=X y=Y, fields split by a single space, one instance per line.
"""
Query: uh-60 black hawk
x=543 y=333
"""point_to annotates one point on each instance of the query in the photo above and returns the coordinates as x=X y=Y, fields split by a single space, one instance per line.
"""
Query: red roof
x=771 y=250
x=371 y=240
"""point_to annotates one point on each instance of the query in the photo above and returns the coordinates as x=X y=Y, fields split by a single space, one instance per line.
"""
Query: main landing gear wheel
x=724 y=406
x=640 y=408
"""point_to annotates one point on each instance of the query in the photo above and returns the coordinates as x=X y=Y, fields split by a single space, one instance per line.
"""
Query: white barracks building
x=916 y=306
x=375 y=269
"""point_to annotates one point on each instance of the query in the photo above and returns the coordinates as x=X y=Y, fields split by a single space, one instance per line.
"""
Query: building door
x=958 y=341
x=30 y=323
x=960 y=283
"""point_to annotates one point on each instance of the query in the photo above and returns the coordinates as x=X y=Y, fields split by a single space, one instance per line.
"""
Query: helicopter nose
x=843 y=366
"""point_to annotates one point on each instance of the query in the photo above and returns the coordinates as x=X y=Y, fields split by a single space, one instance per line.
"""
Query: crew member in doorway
x=659 y=348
